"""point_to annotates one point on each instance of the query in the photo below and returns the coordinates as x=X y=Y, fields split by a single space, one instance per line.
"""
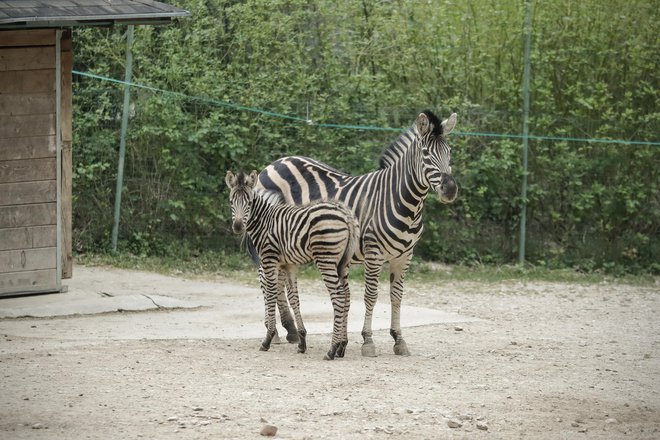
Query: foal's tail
x=351 y=244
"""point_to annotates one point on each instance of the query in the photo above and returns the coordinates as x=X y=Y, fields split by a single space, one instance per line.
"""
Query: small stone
x=454 y=423
x=39 y=426
x=482 y=426
x=268 y=430
x=204 y=423
x=575 y=425
x=173 y=419
x=198 y=408
x=458 y=328
x=558 y=420
x=263 y=420
x=611 y=421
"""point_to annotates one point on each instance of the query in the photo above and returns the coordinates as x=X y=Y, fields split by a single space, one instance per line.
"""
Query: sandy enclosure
x=529 y=360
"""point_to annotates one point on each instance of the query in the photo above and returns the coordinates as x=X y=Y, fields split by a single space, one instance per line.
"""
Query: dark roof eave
x=35 y=24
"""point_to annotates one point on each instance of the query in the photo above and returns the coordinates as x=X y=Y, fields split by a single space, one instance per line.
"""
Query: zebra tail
x=351 y=245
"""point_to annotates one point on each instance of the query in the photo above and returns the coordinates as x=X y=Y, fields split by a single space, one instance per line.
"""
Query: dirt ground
x=545 y=360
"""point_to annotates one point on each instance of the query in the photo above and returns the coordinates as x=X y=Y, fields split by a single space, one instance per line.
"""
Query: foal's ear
x=230 y=179
x=423 y=124
x=252 y=181
x=448 y=124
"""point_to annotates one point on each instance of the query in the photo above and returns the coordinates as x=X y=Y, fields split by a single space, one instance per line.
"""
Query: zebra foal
x=287 y=236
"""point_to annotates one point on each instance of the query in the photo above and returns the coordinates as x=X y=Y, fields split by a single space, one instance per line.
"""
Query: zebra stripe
x=287 y=236
x=388 y=204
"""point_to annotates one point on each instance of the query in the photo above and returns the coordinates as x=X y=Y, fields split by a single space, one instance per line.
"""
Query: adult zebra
x=388 y=204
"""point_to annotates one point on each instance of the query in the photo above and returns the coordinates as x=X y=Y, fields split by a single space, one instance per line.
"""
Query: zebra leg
x=269 y=288
x=283 y=307
x=346 y=295
x=332 y=283
x=294 y=301
x=398 y=269
x=372 y=270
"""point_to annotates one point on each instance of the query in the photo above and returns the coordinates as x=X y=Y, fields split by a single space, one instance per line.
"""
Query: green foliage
x=591 y=206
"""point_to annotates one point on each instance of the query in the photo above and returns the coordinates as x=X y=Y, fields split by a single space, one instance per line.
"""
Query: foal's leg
x=269 y=288
x=294 y=301
x=283 y=307
x=346 y=296
x=332 y=282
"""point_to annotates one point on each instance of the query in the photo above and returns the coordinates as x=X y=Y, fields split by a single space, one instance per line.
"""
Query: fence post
x=122 y=139
x=525 y=134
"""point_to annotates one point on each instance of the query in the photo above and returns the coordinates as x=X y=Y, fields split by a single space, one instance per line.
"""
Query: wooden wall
x=28 y=160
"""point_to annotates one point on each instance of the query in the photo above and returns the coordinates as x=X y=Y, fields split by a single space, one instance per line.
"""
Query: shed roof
x=16 y=14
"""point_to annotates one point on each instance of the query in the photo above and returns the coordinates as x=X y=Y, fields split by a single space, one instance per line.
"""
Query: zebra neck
x=259 y=216
x=409 y=175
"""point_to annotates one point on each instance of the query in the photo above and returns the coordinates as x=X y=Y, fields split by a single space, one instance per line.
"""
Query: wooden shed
x=36 y=150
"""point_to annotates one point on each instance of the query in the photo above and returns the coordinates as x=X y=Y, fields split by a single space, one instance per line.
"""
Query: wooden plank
x=66 y=115
x=27 y=37
x=28 y=81
x=26 y=170
x=28 y=215
x=27 y=104
x=28 y=281
x=67 y=210
x=20 y=260
x=66 y=104
x=28 y=237
x=24 y=193
x=27 y=58
x=26 y=125
x=28 y=148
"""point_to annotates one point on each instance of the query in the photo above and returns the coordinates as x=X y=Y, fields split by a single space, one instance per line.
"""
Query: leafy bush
x=592 y=206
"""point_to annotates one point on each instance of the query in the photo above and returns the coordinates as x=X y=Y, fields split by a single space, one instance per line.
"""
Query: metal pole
x=122 y=139
x=525 y=133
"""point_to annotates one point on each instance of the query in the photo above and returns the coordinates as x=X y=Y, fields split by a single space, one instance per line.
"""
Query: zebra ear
x=230 y=179
x=253 y=178
x=448 y=124
x=423 y=124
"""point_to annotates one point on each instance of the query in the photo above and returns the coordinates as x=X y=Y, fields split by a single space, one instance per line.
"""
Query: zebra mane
x=398 y=148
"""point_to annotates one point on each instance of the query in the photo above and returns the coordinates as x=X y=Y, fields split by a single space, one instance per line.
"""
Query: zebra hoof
x=293 y=338
x=341 y=349
x=369 y=349
x=263 y=348
x=401 y=348
x=329 y=356
x=302 y=347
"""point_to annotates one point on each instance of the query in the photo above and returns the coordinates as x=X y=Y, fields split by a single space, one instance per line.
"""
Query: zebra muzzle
x=447 y=190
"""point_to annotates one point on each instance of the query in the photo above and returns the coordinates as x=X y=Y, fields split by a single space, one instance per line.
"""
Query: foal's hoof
x=369 y=349
x=401 y=348
x=341 y=349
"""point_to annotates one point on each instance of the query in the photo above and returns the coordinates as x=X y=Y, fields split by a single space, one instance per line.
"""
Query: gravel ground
x=547 y=360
